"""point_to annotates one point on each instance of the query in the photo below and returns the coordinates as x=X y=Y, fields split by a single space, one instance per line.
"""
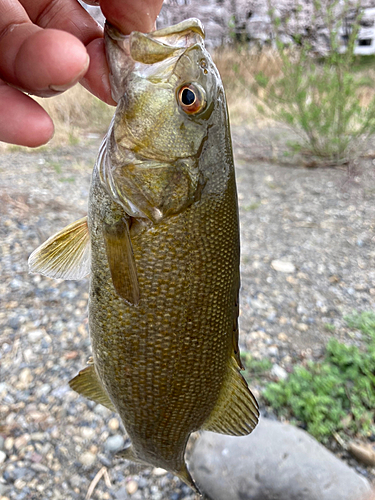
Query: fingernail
x=66 y=86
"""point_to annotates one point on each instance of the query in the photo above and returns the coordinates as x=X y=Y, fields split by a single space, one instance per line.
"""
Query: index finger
x=132 y=15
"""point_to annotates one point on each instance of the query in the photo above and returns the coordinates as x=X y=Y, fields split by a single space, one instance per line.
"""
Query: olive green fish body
x=164 y=361
x=161 y=244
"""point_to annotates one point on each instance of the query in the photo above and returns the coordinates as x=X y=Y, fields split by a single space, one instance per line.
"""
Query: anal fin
x=236 y=412
x=121 y=260
x=65 y=255
x=88 y=384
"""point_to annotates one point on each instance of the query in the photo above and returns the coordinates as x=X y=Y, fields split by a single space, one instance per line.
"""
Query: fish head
x=167 y=88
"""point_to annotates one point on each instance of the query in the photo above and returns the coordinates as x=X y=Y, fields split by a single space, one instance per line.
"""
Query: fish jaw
x=129 y=53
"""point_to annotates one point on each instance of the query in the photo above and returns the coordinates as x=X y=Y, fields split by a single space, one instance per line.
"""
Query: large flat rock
x=276 y=462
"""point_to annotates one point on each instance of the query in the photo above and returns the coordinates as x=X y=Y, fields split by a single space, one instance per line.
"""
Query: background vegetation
x=333 y=395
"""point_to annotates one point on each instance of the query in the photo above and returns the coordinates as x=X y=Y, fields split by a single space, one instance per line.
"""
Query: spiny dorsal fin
x=65 y=255
x=88 y=384
x=121 y=260
x=236 y=411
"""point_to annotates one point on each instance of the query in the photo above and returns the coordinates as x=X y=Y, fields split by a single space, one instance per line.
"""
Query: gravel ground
x=307 y=261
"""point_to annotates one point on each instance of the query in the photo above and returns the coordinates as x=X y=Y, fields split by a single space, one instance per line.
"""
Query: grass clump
x=320 y=98
x=254 y=368
x=335 y=394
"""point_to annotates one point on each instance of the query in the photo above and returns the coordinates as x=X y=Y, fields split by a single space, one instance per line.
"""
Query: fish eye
x=191 y=99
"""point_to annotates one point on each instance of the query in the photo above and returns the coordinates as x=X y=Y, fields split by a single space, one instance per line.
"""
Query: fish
x=161 y=245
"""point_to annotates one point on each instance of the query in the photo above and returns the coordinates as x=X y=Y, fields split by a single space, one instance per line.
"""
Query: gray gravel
x=55 y=442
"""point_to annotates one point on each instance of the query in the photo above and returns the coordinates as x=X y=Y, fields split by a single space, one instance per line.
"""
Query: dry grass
x=75 y=113
x=238 y=69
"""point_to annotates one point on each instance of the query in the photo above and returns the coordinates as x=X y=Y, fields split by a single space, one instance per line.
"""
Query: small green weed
x=252 y=206
x=337 y=393
x=330 y=327
x=254 y=367
x=56 y=166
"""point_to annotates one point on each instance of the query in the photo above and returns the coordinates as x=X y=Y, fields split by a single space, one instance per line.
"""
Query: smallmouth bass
x=161 y=245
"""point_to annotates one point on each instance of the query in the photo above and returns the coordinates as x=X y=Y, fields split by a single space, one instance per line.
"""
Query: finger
x=66 y=15
x=131 y=15
x=22 y=120
x=42 y=62
x=96 y=80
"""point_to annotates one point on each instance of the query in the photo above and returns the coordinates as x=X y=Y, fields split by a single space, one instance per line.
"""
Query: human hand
x=46 y=46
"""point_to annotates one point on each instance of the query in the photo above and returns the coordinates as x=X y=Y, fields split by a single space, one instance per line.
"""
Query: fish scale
x=161 y=244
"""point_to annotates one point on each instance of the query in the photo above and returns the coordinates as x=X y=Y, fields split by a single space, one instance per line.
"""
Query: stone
x=121 y=493
x=115 y=443
x=8 y=443
x=279 y=372
x=132 y=487
x=3 y=457
x=158 y=471
x=283 y=266
x=87 y=459
x=36 y=335
x=276 y=462
x=87 y=433
x=113 y=424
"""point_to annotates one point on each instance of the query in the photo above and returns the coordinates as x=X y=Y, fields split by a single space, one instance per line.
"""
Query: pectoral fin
x=236 y=411
x=87 y=384
x=65 y=255
x=121 y=260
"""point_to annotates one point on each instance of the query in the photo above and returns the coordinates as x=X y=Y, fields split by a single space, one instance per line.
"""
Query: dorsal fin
x=88 y=384
x=65 y=255
x=236 y=411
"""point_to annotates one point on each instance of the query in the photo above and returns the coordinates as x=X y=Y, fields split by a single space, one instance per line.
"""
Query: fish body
x=161 y=242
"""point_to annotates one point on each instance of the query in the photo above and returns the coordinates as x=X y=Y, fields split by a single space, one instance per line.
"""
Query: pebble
x=282 y=337
x=115 y=443
x=113 y=424
x=3 y=456
x=87 y=433
x=273 y=351
x=25 y=378
x=3 y=488
x=21 y=441
x=36 y=335
x=158 y=471
x=283 y=266
x=132 y=487
x=19 y=484
x=8 y=443
x=87 y=459
x=302 y=327
x=2 y=441
x=279 y=372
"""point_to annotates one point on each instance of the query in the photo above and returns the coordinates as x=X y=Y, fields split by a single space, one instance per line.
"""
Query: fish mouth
x=151 y=55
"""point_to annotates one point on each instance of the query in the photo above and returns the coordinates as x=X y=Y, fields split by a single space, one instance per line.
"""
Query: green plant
x=337 y=393
x=320 y=98
x=254 y=367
